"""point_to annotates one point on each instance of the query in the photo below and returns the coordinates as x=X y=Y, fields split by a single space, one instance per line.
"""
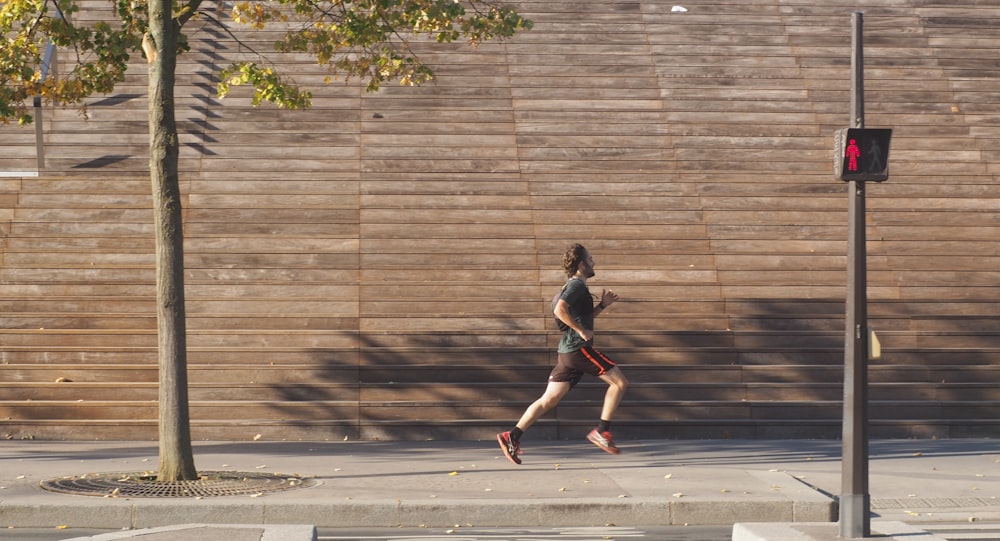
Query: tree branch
x=189 y=10
x=229 y=32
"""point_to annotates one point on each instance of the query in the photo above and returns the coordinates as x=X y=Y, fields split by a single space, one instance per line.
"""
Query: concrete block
x=154 y=513
x=729 y=512
x=74 y=514
x=334 y=515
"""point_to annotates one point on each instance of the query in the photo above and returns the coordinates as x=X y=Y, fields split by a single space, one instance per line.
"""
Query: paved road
x=655 y=533
x=659 y=533
x=953 y=531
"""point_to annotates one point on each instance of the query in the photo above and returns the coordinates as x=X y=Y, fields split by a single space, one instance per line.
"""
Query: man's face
x=587 y=265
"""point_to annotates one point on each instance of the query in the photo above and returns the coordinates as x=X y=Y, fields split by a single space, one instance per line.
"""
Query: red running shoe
x=603 y=440
x=509 y=447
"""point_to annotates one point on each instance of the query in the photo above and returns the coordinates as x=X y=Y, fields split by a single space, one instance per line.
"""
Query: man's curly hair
x=574 y=255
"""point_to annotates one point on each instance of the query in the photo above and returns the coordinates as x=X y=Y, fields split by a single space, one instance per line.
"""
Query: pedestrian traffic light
x=862 y=154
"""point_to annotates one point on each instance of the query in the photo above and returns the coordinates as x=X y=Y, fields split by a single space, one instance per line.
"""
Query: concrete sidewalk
x=566 y=483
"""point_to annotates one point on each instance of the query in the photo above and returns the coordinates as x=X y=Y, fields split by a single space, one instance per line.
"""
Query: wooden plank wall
x=380 y=265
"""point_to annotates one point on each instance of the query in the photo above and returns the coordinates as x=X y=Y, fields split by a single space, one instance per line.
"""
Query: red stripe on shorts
x=602 y=369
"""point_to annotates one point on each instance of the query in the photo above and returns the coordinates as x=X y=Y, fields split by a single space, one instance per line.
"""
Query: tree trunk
x=176 y=455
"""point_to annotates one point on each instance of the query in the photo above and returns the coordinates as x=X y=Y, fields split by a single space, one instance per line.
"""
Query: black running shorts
x=572 y=366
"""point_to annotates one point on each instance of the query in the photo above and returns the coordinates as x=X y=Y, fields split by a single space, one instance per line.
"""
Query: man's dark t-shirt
x=581 y=308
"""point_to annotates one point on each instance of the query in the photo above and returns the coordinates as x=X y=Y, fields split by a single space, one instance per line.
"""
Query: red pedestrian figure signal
x=852 y=155
x=862 y=154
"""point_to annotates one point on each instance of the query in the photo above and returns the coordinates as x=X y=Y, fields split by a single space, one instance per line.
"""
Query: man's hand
x=608 y=297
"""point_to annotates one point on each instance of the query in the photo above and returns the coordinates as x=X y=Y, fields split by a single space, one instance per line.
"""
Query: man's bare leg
x=617 y=385
x=510 y=441
x=554 y=392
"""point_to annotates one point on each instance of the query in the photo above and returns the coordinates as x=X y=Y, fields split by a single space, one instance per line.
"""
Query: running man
x=575 y=312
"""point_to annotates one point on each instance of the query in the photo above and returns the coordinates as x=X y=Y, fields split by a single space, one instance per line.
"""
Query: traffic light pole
x=855 y=501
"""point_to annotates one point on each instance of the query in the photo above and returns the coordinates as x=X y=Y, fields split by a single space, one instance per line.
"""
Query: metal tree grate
x=145 y=485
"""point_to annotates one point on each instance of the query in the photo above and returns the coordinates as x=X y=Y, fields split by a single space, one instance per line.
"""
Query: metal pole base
x=854 y=516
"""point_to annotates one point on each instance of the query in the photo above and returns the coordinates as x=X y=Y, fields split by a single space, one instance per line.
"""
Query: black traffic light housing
x=862 y=154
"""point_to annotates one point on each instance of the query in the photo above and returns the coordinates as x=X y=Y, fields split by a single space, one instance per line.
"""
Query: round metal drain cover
x=145 y=485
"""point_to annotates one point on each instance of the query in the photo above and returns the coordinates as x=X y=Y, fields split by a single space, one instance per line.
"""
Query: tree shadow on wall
x=776 y=371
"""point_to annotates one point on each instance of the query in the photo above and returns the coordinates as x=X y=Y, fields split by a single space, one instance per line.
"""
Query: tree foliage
x=363 y=39
x=101 y=53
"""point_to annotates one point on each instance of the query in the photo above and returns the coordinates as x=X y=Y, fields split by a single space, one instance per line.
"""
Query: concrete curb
x=441 y=513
